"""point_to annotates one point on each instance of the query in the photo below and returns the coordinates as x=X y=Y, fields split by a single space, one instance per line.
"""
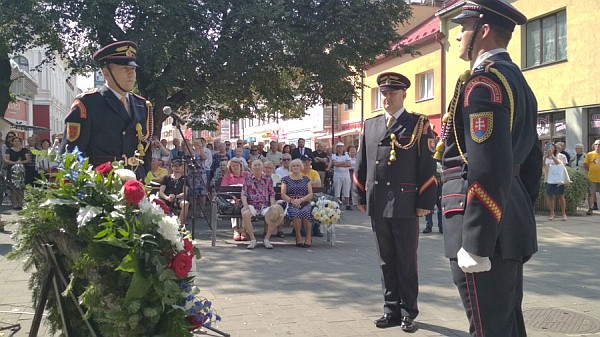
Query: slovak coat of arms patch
x=481 y=125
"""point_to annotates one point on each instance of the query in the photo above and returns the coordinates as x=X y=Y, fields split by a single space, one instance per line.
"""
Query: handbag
x=557 y=174
x=228 y=204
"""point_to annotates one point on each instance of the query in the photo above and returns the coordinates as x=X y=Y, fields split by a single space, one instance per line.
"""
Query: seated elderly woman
x=257 y=196
x=296 y=190
x=235 y=176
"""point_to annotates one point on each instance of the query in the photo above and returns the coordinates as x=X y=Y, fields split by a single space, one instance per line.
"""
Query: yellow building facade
x=556 y=50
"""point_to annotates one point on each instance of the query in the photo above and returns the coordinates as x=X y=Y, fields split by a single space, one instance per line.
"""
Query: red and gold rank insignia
x=481 y=125
x=431 y=144
x=73 y=131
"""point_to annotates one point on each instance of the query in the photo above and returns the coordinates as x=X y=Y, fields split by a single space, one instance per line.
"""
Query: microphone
x=169 y=112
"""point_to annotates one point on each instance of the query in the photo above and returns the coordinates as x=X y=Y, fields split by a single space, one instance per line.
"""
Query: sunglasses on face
x=285 y=160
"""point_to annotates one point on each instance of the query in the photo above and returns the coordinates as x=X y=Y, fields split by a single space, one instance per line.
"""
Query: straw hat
x=274 y=215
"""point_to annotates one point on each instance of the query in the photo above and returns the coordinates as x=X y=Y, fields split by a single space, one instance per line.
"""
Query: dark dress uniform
x=392 y=189
x=102 y=129
x=491 y=178
x=100 y=126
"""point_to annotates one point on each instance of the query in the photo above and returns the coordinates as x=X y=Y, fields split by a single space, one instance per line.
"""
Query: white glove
x=470 y=263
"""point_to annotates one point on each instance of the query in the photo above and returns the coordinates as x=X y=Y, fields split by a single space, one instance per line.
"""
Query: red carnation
x=188 y=246
x=181 y=264
x=162 y=205
x=134 y=192
x=105 y=168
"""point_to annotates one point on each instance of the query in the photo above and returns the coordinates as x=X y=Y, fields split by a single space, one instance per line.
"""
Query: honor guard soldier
x=112 y=123
x=395 y=183
x=492 y=164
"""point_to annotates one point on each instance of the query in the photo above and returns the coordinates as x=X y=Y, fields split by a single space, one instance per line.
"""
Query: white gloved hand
x=470 y=263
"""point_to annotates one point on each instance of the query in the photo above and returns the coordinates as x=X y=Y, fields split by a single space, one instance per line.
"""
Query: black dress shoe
x=388 y=320
x=408 y=324
x=427 y=230
x=441 y=230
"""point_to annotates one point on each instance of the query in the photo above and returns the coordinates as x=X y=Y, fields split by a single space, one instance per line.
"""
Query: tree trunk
x=5 y=83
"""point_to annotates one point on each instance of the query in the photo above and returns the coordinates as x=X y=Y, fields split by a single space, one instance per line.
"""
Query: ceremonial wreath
x=127 y=259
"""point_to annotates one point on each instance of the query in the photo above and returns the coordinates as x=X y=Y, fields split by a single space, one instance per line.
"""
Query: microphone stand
x=189 y=160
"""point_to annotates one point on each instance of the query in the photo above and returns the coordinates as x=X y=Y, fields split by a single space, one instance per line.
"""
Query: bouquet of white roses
x=325 y=210
x=128 y=260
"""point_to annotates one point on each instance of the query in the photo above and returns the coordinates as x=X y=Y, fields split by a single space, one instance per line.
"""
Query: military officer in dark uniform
x=491 y=172
x=394 y=181
x=112 y=123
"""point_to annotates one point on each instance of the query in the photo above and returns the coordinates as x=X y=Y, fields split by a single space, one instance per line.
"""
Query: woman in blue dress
x=296 y=190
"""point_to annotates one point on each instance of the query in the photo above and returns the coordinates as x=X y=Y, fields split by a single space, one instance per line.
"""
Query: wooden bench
x=236 y=191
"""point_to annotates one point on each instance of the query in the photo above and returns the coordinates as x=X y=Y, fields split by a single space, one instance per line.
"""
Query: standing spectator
x=396 y=189
x=177 y=150
x=578 y=159
x=31 y=173
x=16 y=154
x=173 y=190
x=273 y=154
x=301 y=150
x=562 y=148
x=257 y=196
x=284 y=169
x=492 y=166
x=228 y=148
x=438 y=204
x=159 y=151
x=286 y=149
x=341 y=174
x=592 y=166
x=261 y=149
x=296 y=190
x=321 y=161
x=553 y=157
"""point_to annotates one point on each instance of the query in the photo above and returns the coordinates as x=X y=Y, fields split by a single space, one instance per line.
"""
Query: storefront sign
x=595 y=122
x=543 y=126
x=560 y=126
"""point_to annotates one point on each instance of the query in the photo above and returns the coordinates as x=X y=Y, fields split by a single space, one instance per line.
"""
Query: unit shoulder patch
x=73 y=131
x=483 y=81
x=79 y=106
x=481 y=125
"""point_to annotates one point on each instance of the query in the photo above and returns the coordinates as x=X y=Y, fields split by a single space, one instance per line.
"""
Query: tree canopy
x=234 y=58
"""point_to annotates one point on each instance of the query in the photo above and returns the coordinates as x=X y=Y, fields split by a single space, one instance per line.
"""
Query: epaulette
x=373 y=117
x=420 y=115
x=141 y=97
x=484 y=67
x=91 y=91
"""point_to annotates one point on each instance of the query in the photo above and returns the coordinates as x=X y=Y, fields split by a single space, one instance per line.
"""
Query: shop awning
x=22 y=127
x=347 y=132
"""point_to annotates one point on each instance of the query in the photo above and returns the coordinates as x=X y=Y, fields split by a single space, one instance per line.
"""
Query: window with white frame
x=376 y=99
x=425 y=89
x=547 y=39
x=348 y=106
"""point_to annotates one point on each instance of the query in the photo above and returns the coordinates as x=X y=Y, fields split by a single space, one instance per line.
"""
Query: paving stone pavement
x=336 y=291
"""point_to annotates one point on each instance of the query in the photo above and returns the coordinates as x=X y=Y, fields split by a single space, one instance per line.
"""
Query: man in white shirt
x=341 y=174
x=284 y=169
x=273 y=155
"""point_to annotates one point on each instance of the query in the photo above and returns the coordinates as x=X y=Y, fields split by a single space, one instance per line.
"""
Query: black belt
x=458 y=172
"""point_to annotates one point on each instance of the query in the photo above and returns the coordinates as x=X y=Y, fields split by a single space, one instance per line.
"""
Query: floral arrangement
x=127 y=259
x=325 y=210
